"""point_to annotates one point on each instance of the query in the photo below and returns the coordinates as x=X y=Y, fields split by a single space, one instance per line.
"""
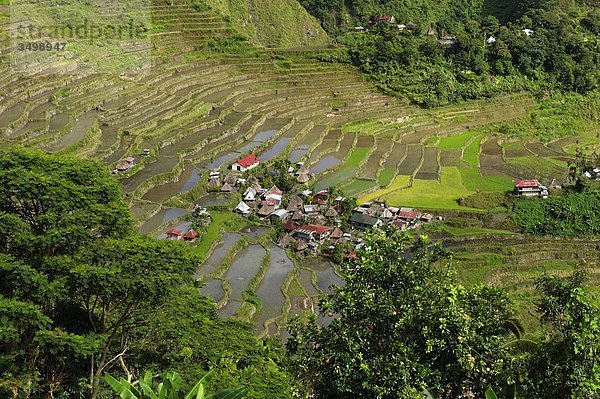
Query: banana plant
x=169 y=388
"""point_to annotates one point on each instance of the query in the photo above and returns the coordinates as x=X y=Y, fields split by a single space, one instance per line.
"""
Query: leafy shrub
x=573 y=214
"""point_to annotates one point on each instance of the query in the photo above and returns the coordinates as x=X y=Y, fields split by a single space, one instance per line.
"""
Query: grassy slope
x=272 y=23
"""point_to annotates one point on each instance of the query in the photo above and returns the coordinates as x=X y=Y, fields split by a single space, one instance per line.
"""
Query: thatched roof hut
x=295 y=203
x=331 y=213
x=337 y=233
x=301 y=245
x=303 y=178
x=231 y=179
x=226 y=188
x=286 y=240
x=298 y=215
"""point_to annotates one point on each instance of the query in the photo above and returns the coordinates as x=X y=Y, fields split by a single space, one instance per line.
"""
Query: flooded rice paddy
x=218 y=256
x=325 y=163
x=270 y=288
x=161 y=218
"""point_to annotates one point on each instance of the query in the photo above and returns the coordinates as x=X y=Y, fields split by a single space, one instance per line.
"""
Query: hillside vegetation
x=445 y=52
x=270 y=23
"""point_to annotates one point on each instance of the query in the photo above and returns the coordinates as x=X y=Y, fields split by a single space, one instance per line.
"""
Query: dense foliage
x=566 y=363
x=560 y=51
x=573 y=214
x=81 y=294
x=404 y=325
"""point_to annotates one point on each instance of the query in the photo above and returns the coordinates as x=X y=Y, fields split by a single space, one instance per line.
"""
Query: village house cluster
x=309 y=221
x=233 y=181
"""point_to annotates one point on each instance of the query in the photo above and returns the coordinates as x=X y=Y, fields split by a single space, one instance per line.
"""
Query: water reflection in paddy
x=191 y=182
x=297 y=155
x=216 y=258
x=243 y=269
x=265 y=135
x=213 y=200
x=325 y=163
x=269 y=289
x=161 y=218
x=214 y=289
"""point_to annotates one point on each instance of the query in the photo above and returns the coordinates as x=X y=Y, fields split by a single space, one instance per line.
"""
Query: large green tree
x=567 y=362
x=403 y=324
x=81 y=294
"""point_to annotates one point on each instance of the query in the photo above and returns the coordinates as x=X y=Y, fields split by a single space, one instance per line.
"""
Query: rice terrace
x=219 y=82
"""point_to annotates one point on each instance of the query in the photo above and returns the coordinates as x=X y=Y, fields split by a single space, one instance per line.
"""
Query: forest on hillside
x=461 y=50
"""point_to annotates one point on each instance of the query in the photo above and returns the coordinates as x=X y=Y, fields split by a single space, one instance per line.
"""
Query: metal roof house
x=246 y=163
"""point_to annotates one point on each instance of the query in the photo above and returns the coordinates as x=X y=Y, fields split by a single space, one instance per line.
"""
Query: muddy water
x=161 y=218
x=265 y=135
x=269 y=289
x=325 y=163
x=255 y=231
x=191 y=181
x=77 y=133
x=58 y=121
x=30 y=127
x=218 y=162
x=305 y=279
x=297 y=155
x=218 y=255
x=166 y=191
x=214 y=200
x=243 y=269
x=214 y=289
x=12 y=114
x=229 y=309
x=277 y=149
x=325 y=272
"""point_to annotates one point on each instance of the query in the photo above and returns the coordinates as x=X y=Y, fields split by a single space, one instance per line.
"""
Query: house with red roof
x=313 y=232
x=321 y=198
x=409 y=215
x=246 y=163
x=290 y=226
x=190 y=236
x=174 y=234
x=529 y=188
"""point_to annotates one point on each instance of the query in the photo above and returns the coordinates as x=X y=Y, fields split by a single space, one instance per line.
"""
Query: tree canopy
x=81 y=294
x=403 y=324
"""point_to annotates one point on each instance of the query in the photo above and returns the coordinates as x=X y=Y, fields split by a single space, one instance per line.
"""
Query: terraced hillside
x=208 y=97
x=512 y=262
x=200 y=108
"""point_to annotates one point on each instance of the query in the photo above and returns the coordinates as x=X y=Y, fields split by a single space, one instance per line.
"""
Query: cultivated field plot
x=513 y=262
x=371 y=167
x=412 y=160
x=430 y=168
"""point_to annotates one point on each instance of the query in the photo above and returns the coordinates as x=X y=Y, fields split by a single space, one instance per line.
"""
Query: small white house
x=527 y=31
x=491 y=40
x=250 y=194
x=246 y=163
x=243 y=209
